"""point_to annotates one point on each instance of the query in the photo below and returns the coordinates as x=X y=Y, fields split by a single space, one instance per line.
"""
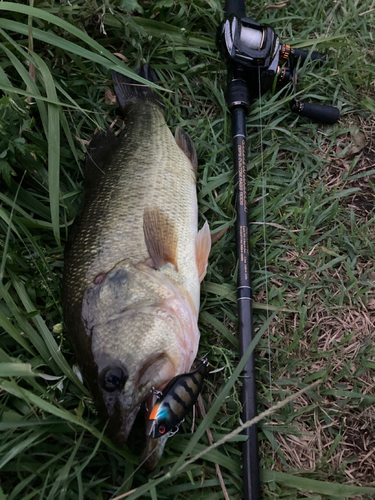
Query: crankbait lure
x=177 y=399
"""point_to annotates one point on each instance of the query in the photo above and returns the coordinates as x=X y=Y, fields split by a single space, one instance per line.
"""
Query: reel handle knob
x=303 y=54
x=317 y=112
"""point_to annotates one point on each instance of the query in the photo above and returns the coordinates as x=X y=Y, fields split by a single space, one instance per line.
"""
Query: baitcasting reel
x=255 y=52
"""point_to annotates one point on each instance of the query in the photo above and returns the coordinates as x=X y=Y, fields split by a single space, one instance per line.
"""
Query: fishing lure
x=177 y=399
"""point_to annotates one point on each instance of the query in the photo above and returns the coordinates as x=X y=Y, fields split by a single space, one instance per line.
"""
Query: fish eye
x=162 y=429
x=113 y=378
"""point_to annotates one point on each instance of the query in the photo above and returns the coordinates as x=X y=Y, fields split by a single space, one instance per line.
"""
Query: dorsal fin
x=184 y=142
x=160 y=237
x=101 y=146
x=202 y=249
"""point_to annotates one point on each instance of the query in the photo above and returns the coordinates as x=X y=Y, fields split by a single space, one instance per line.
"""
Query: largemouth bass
x=134 y=261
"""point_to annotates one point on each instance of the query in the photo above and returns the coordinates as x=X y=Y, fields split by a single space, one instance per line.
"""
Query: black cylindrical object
x=236 y=7
x=303 y=54
x=244 y=298
x=238 y=94
x=238 y=100
x=317 y=112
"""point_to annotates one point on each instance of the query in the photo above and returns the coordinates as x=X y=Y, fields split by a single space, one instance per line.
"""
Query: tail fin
x=128 y=90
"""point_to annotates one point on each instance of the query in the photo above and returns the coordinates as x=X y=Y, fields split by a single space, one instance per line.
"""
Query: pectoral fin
x=161 y=237
x=202 y=250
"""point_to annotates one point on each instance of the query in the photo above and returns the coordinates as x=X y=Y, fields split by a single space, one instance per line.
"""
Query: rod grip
x=318 y=112
x=236 y=7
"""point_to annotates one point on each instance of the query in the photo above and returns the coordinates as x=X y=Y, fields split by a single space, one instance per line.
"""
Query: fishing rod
x=256 y=61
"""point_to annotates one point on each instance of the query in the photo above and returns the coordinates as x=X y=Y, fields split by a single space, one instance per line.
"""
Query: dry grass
x=335 y=432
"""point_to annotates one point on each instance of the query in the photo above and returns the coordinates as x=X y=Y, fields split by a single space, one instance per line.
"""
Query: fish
x=134 y=262
x=176 y=400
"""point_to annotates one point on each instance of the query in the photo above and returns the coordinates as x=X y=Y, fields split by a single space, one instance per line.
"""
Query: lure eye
x=113 y=378
x=162 y=429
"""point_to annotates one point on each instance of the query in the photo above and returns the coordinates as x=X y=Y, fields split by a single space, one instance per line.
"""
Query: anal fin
x=202 y=250
x=160 y=237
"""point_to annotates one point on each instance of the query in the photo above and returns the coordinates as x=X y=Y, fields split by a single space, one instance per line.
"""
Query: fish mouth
x=120 y=435
x=154 y=374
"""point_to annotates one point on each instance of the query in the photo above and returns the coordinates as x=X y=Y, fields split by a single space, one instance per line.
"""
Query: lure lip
x=151 y=428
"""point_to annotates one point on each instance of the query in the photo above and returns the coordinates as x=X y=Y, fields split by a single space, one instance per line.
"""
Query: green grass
x=312 y=243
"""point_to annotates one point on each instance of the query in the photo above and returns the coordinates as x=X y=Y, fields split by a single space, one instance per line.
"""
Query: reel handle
x=235 y=7
x=317 y=112
x=303 y=54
